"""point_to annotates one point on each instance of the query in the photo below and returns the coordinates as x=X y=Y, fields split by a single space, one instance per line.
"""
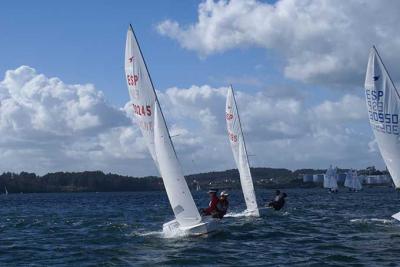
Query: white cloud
x=349 y=108
x=321 y=41
x=281 y=130
x=47 y=125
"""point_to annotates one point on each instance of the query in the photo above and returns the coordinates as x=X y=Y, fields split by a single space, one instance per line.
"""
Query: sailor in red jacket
x=212 y=206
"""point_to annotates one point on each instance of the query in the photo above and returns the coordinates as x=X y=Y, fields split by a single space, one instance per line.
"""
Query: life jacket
x=281 y=202
x=222 y=208
x=212 y=206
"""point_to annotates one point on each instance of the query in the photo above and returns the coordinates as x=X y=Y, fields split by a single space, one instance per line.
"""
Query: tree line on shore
x=98 y=181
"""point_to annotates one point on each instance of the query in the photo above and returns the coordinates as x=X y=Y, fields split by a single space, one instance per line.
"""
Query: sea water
x=124 y=229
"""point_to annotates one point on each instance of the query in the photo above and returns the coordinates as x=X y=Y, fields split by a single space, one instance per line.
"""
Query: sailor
x=223 y=204
x=277 y=195
x=279 y=201
x=212 y=206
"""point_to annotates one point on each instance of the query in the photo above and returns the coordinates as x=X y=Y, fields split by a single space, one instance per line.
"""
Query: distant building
x=376 y=180
x=341 y=177
x=318 y=178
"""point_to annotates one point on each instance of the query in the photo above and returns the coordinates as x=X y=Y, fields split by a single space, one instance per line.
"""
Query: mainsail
x=352 y=181
x=383 y=104
x=356 y=181
x=238 y=146
x=330 y=179
x=152 y=124
x=349 y=179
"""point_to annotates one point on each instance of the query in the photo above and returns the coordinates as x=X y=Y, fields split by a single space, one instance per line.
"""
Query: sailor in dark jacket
x=223 y=205
x=212 y=206
x=279 y=201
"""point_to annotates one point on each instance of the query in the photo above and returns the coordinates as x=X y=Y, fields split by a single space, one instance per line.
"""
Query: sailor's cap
x=224 y=194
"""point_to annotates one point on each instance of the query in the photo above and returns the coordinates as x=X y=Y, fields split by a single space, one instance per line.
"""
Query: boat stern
x=173 y=229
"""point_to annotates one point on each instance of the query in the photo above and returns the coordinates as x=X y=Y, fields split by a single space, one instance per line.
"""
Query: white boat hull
x=251 y=213
x=396 y=216
x=206 y=226
x=260 y=212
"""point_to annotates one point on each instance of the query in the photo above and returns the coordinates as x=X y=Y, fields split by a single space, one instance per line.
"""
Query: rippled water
x=123 y=229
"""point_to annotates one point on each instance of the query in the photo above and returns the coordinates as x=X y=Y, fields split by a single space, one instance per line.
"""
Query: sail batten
x=238 y=145
x=383 y=105
x=151 y=121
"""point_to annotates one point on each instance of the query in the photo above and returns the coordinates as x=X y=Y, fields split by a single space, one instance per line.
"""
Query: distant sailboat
x=330 y=180
x=352 y=181
x=239 y=150
x=152 y=124
x=5 y=190
x=349 y=179
x=383 y=104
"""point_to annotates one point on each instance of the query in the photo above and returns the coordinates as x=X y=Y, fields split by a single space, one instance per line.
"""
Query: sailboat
x=383 y=104
x=240 y=155
x=5 y=190
x=330 y=180
x=151 y=122
x=352 y=181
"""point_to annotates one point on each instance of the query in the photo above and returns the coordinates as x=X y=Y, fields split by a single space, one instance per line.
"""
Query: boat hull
x=260 y=212
x=206 y=226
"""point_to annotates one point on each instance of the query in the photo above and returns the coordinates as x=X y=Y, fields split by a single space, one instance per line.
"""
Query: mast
x=152 y=86
x=387 y=72
x=239 y=149
x=161 y=148
x=240 y=125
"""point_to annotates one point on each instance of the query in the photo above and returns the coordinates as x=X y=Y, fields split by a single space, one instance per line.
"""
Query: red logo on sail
x=233 y=137
x=142 y=110
x=132 y=79
x=130 y=59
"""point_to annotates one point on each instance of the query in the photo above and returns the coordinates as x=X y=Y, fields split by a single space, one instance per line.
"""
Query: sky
x=297 y=67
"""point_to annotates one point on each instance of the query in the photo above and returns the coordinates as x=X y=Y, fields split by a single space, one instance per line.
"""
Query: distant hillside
x=88 y=181
x=97 y=181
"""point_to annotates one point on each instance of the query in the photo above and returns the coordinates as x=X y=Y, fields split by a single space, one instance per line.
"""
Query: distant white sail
x=330 y=178
x=153 y=127
x=383 y=104
x=356 y=182
x=352 y=181
x=349 y=179
x=5 y=190
x=238 y=146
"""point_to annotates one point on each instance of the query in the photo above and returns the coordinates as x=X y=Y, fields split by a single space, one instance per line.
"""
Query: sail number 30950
x=380 y=120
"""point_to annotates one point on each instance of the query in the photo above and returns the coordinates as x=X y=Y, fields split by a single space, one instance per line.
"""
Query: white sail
x=356 y=185
x=330 y=178
x=333 y=181
x=352 y=181
x=349 y=179
x=5 y=190
x=383 y=104
x=151 y=121
x=327 y=177
x=238 y=146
